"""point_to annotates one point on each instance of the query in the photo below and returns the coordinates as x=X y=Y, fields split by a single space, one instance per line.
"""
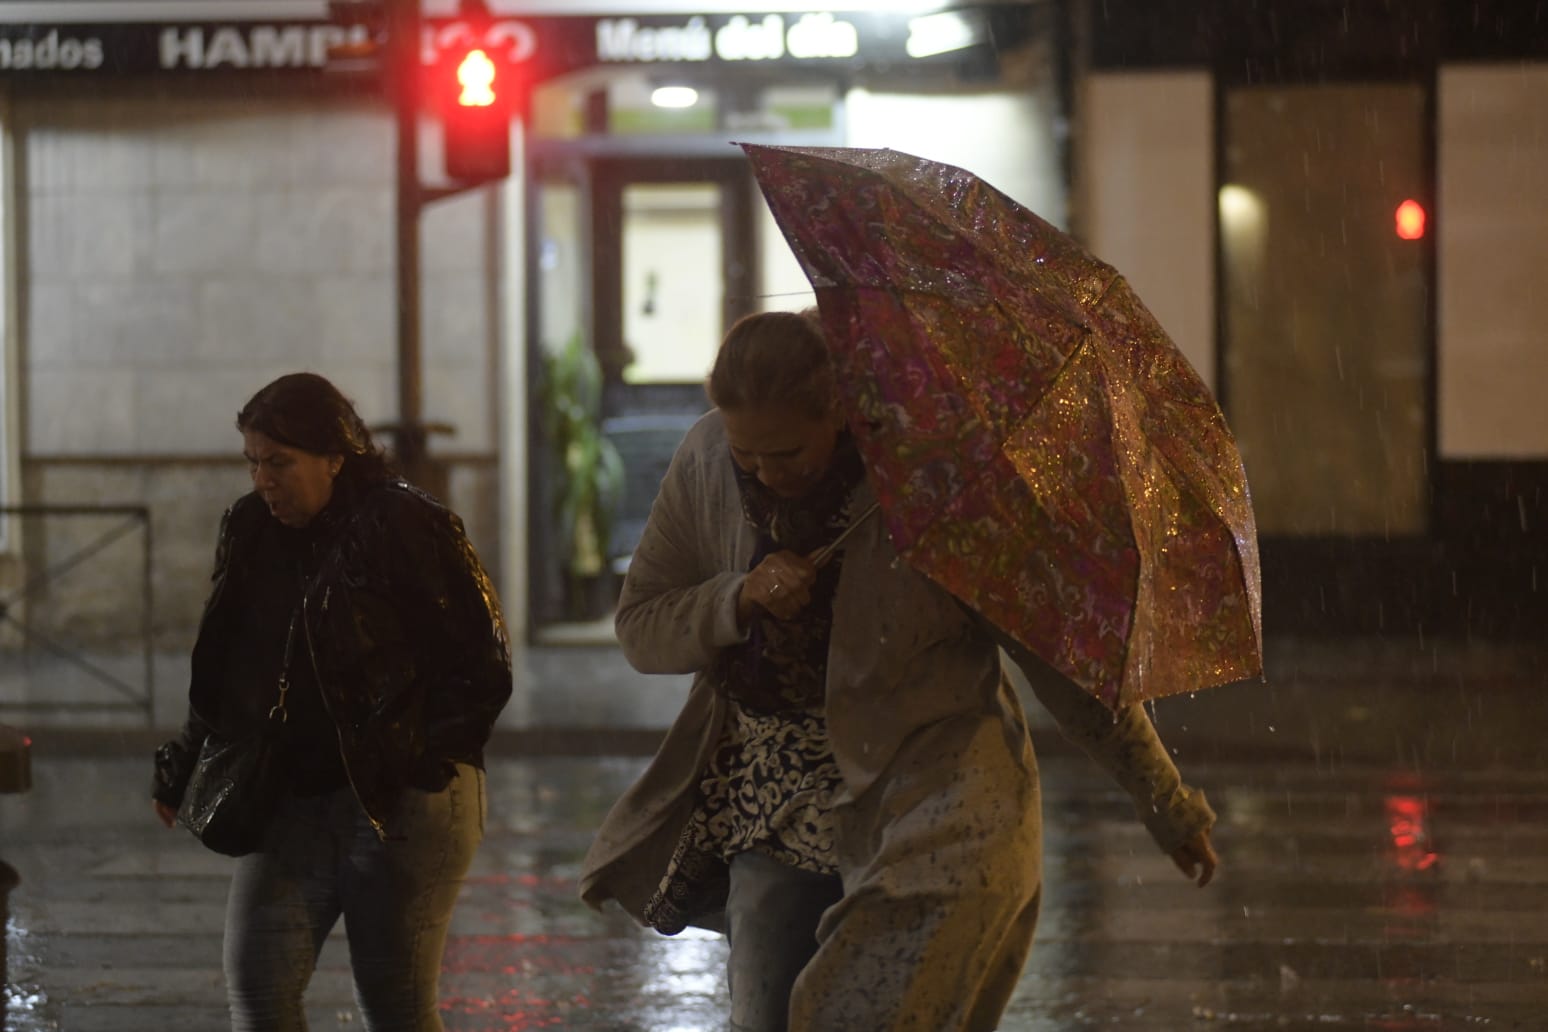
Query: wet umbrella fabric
x=1039 y=446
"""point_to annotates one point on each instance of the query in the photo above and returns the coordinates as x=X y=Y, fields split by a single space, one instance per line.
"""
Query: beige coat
x=938 y=829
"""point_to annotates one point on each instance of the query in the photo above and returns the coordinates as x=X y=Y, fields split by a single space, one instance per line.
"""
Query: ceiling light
x=674 y=96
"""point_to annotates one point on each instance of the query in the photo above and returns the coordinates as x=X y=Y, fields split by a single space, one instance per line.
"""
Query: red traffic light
x=1409 y=220
x=476 y=111
x=476 y=80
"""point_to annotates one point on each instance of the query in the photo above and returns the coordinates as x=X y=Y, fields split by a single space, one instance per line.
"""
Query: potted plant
x=590 y=477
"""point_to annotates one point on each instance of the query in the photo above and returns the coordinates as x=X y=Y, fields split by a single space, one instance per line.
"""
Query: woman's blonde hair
x=774 y=358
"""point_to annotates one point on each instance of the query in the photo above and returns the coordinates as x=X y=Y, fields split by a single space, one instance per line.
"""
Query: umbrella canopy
x=1039 y=446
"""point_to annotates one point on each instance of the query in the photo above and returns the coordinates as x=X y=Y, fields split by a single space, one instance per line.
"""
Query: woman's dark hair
x=304 y=410
x=774 y=358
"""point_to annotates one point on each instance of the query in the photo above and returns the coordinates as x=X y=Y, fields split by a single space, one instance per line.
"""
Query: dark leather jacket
x=400 y=626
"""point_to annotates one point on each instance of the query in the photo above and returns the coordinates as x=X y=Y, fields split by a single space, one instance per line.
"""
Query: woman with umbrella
x=849 y=792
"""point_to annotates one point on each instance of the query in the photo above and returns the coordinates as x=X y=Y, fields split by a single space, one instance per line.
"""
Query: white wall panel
x=1003 y=138
x=1145 y=196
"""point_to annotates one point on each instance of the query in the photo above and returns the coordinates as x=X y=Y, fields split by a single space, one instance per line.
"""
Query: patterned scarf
x=783 y=664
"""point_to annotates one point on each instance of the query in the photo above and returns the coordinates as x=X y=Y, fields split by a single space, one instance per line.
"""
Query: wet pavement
x=1384 y=831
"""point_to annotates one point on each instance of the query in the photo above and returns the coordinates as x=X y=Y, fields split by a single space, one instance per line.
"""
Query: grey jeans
x=771 y=926
x=322 y=860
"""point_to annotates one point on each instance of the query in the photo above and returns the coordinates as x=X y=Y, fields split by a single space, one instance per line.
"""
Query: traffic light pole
x=403 y=39
x=403 y=67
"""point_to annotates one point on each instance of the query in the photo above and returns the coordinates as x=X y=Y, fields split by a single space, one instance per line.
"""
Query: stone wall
x=176 y=251
x=95 y=601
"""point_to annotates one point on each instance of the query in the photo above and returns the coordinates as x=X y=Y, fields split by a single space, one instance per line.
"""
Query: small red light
x=1409 y=825
x=475 y=77
x=1410 y=220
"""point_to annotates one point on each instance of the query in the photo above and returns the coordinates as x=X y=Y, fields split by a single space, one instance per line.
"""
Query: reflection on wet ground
x=1352 y=898
x=1384 y=828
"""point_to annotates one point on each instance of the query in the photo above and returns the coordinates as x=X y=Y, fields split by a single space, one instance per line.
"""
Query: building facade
x=198 y=195
x=1338 y=211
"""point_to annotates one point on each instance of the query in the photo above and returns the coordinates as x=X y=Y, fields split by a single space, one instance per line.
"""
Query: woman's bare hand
x=781 y=585
x=166 y=814
x=1197 y=858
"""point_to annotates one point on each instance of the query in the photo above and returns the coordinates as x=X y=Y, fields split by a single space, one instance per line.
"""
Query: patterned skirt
x=769 y=786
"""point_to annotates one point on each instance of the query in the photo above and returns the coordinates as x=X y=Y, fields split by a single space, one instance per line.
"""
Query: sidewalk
x=1399 y=700
x=1383 y=824
x=1411 y=703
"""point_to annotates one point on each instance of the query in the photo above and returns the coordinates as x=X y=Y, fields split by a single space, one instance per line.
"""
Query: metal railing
x=124 y=695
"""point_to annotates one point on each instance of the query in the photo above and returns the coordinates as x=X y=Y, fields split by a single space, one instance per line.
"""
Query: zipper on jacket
x=306 y=626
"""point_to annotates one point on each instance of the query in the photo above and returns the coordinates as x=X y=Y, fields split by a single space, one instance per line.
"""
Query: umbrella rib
x=820 y=557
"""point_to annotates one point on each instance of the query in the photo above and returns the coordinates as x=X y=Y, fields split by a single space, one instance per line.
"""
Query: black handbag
x=237 y=782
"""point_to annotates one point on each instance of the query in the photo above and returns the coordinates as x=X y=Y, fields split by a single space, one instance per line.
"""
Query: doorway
x=641 y=264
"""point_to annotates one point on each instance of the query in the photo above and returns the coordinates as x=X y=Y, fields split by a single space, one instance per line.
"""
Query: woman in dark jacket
x=356 y=602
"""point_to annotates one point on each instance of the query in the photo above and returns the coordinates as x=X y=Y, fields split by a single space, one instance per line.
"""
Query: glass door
x=673 y=269
x=673 y=272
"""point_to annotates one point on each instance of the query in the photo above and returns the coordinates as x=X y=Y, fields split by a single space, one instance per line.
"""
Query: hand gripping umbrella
x=1039 y=446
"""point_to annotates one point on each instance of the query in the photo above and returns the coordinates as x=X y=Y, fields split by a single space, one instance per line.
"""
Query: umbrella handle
x=820 y=556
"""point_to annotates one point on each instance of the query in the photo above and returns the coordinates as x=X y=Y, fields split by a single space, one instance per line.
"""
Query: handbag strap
x=290 y=637
x=284 y=676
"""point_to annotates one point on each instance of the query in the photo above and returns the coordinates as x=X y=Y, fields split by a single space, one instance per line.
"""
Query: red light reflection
x=1408 y=824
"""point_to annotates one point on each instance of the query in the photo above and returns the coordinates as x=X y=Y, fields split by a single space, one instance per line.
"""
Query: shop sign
x=548 y=45
x=741 y=38
x=254 y=46
x=168 y=48
x=51 y=51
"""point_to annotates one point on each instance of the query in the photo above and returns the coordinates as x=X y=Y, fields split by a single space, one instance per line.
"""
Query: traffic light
x=1409 y=220
x=478 y=101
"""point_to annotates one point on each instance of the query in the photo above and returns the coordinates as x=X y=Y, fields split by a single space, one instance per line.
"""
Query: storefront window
x=789 y=108
x=661 y=104
x=639 y=105
x=561 y=255
x=1326 y=335
x=558 y=111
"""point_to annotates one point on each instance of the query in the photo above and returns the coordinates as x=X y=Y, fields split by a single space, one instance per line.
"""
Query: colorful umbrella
x=1039 y=446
